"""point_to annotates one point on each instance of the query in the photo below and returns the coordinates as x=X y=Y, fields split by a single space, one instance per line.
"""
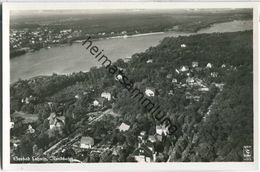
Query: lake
x=75 y=58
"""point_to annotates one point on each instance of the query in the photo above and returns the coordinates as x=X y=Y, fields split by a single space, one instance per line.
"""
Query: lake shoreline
x=129 y=36
x=167 y=34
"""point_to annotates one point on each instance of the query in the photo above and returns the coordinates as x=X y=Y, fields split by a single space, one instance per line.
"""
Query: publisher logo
x=247 y=153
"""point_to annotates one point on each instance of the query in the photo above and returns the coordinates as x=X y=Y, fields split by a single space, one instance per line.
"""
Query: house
x=16 y=142
x=177 y=71
x=90 y=118
x=196 y=98
x=183 y=45
x=150 y=146
x=106 y=95
x=77 y=96
x=50 y=104
x=27 y=100
x=86 y=142
x=184 y=68
x=174 y=80
x=123 y=127
x=220 y=86
x=141 y=136
x=190 y=80
x=160 y=129
x=127 y=59
x=118 y=77
x=143 y=154
x=121 y=69
x=158 y=137
x=183 y=85
x=150 y=92
x=149 y=61
x=223 y=66
x=30 y=129
x=142 y=133
x=56 y=122
x=51 y=119
x=209 y=65
x=214 y=74
x=199 y=82
x=96 y=103
x=11 y=124
x=204 y=89
x=151 y=138
x=116 y=150
x=61 y=119
x=188 y=95
x=195 y=64
x=171 y=92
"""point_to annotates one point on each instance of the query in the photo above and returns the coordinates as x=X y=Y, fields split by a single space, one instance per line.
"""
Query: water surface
x=75 y=58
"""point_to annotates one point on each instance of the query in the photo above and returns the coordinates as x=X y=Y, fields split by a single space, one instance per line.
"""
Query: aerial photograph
x=135 y=85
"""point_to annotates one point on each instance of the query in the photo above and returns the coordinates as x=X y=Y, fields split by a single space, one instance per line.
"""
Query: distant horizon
x=29 y=13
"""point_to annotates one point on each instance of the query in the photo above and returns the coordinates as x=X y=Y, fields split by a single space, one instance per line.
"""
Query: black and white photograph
x=130 y=85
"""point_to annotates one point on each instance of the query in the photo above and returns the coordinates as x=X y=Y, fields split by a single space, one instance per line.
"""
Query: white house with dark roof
x=77 y=96
x=204 y=89
x=30 y=129
x=96 y=103
x=160 y=129
x=118 y=77
x=209 y=65
x=174 y=80
x=106 y=95
x=142 y=133
x=150 y=92
x=11 y=124
x=223 y=66
x=184 y=68
x=86 y=142
x=195 y=64
x=124 y=127
x=190 y=80
x=171 y=92
x=183 y=45
x=152 y=138
x=57 y=122
x=149 y=61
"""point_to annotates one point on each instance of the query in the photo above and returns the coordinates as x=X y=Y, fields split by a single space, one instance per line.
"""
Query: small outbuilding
x=86 y=142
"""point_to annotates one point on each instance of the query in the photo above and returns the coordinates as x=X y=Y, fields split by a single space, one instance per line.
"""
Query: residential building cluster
x=41 y=37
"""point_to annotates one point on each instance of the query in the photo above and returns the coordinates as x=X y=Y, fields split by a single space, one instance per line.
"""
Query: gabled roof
x=123 y=127
x=87 y=140
x=61 y=118
x=150 y=92
x=160 y=129
x=52 y=116
x=152 y=138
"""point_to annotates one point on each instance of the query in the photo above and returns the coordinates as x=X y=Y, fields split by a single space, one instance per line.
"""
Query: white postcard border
x=124 y=166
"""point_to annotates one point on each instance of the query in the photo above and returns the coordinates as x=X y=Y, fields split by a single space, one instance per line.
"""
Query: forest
x=214 y=127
